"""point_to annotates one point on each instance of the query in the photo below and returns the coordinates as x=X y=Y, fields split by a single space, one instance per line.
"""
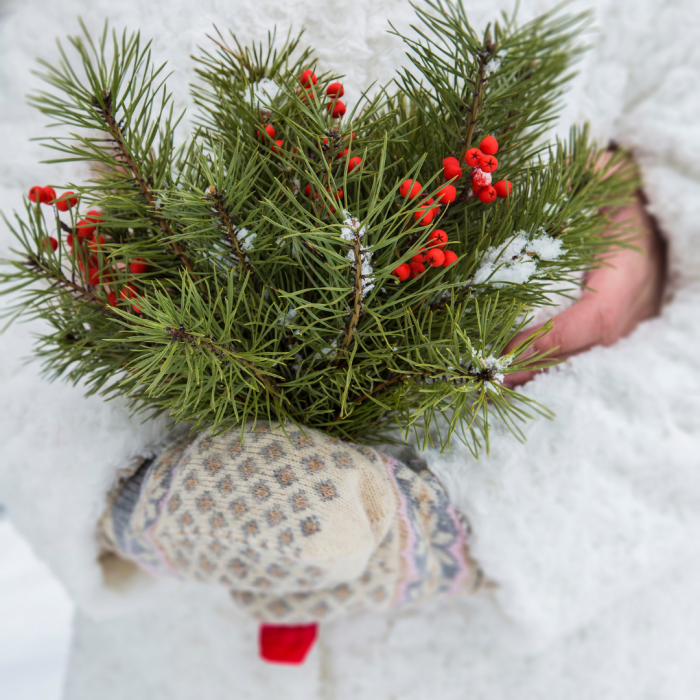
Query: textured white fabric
x=591 y=527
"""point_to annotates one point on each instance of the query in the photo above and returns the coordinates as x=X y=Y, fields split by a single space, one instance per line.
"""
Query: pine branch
x=180 y=335
x=114 y=128
x=36 y=265
x=228 y=225
x=218 y=350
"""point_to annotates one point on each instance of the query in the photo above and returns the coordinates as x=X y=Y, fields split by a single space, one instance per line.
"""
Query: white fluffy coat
x=591 y=527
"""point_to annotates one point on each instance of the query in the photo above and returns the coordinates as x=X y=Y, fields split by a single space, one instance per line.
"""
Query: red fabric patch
x=287 y=644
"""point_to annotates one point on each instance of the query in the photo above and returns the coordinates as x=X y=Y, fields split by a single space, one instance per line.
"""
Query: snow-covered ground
x=35 y=622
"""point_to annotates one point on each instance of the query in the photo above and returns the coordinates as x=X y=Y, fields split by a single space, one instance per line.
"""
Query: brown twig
x=228 y=224
x=357 y=299
x=65 y=282
x=129 y=161
x=478 y=94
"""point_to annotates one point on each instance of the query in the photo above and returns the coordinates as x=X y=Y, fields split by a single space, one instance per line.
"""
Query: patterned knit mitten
x=299 y=528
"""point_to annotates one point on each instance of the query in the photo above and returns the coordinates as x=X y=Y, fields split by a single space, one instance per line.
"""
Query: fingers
x=621 y=295
x=575 y=330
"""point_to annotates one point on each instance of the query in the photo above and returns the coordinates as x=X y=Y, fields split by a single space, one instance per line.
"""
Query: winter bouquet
x=347 y=268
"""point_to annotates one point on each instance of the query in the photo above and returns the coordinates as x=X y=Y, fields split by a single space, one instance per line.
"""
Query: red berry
x=112 y=299
x=450 y=162
x=306 y=93
x=450 y=258
x=48 y=195
x=420 y=256
x=402 y=272
x=337 y=108
x=95 y=216
x=503 y=188
x=338 y=195
x=287 y=644
x=50 y=242
x=96 y=243
x=488 y=163
x=436 y=208
x=452 y=173
x=487 y=194
x=435 y=257
x=138 y=265
x=268 y=131
x=473 y=157
x=335 y=90
x=438 y=238
x=129 y=292
x=276 y=147
x=66 y=202
x=85 y=228
x=416 y=269
x=353 y=163
x=94 y=276
x=342 y=153
x=410 y=188
x=423 y=216
x=307 y=190
x=350 y=136
x=480 y=178
x=308 y=78
x=489 y=146
x=36 y=193
x=69 y=240
x=447 y=194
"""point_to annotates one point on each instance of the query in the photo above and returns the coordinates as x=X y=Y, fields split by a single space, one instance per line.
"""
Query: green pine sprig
x=241 y=275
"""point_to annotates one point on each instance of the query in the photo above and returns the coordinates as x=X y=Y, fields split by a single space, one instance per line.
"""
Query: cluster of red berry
x=90 y=243
x=434 y=254
x=410 y=189
x=47 y=195
x=336 y=107
x=483 y=162
x=334 y=91
x=337 y=195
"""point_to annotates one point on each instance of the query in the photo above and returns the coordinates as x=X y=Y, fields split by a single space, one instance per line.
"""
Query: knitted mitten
x=300 y=527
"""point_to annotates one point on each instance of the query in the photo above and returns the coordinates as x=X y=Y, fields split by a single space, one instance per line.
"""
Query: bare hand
x=620 y=297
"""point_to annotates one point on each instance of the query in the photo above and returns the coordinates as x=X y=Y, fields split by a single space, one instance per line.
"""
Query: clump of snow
x=494 y=365
x=263 y=93
x=353 y=231
x=546 y=248
x=245 y=238
x=515 y=261
x=492 y=66
x=285 y=319
x=480 y=178
x=352 y=228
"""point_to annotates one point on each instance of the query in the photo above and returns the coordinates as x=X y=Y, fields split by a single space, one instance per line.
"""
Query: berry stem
x=478 y=94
